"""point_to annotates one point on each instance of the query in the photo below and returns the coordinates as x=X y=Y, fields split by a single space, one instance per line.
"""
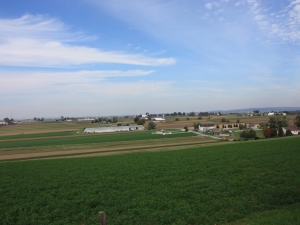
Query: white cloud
x=208 y=6
x=28 y=82
x=39 y=42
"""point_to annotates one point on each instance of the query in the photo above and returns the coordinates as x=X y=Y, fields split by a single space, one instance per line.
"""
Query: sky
x=127 y=57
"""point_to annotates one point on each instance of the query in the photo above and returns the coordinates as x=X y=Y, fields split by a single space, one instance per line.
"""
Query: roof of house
x=292 y=128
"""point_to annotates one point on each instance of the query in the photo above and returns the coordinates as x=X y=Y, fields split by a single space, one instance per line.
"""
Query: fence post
x=102 y=218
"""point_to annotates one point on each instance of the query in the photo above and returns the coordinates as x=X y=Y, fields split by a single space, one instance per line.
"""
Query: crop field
x=217 y=184
x=86 y=138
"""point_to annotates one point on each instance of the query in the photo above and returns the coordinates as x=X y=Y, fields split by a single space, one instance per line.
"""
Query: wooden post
x=102 y=218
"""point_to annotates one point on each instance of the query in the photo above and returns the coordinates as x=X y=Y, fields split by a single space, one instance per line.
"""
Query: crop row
x=210 y=185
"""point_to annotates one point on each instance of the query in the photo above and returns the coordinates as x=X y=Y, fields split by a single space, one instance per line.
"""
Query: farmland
x=203 y=185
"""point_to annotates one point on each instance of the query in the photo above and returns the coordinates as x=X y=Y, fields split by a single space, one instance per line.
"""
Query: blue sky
x=117 y=57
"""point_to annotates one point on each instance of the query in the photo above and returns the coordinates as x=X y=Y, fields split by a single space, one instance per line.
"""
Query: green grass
x=283 y=215
x=38 y=135
x=208 y=185
x=89 y=138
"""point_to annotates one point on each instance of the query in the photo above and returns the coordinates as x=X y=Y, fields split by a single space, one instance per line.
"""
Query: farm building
x=254 y=126
x=113 y=129
x=158 y=120
x=206 y=127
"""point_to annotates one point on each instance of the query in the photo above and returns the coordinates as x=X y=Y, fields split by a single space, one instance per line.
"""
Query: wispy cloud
x=28 y=82
x=38 y=41
x=283 y=23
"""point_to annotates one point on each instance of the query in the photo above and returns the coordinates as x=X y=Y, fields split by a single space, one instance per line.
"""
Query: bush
x=267 y=132
x=187 y=118
x=151 y=125
x=248 y=134
x=288 y=133
x=177 y=119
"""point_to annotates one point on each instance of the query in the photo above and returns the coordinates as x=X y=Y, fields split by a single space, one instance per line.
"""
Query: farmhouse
x=294 y=130
x=113 y=129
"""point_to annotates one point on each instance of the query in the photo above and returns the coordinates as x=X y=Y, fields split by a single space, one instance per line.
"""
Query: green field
x=72 y=138
x=205 y=185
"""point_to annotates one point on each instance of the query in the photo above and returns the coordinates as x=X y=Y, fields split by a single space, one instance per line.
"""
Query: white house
x=294 y=130
x=271 y=113
x=113 y=129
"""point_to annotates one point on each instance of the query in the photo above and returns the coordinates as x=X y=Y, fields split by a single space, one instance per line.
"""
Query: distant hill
x=266 y=109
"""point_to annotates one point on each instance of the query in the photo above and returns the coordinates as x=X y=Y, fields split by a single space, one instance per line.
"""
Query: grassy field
x=52 y=139
x=207 y=185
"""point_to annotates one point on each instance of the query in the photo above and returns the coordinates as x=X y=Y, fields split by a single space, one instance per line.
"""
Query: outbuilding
x=113 y=129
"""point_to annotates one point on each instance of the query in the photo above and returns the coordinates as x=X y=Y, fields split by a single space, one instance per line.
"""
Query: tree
x=223 y=120
x=151 y=125
x=141 y=122
x=217 y=126
x=273 y=132
x=199 y=117
x=251 y=134
x=241 y=126
x=297 y=121
x=136 y=119
x=280 y=132
x=177 y=119
x=186 y=128
x=277 y=121
x=115 y=120
x=9 y=121
x=179 y=113
x=267 y=132
x=187 y=118
x=192 y=113
x=238 y=121
x=195 y=126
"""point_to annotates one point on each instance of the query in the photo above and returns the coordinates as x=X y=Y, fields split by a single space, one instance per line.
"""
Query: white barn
x=206 y=127
x=113 y=129
x=158 y=120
